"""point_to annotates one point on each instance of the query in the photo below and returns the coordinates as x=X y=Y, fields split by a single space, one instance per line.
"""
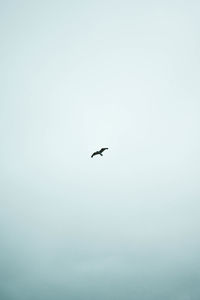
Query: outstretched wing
x=95 y=153
x=103 y=149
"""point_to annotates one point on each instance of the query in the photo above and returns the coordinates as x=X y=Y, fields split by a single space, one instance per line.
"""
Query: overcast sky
x=77 y=76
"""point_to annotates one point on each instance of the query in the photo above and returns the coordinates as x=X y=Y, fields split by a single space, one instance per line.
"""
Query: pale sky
x=77 y=76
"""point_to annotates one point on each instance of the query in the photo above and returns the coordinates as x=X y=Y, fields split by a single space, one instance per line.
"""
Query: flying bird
x=99 y=152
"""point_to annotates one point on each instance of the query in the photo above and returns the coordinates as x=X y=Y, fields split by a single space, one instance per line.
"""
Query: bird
x=99 y=152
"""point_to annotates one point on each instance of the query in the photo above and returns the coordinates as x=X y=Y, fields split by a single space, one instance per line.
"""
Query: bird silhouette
x=99 y=152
